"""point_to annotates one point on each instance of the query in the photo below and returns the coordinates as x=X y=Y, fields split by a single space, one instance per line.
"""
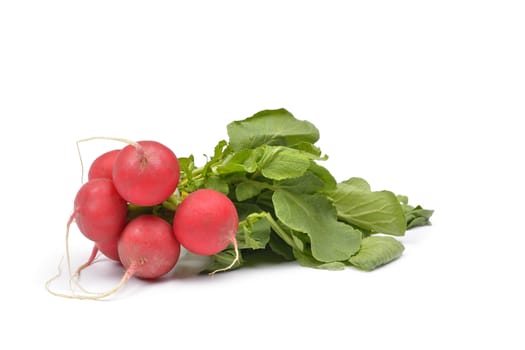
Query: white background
x=421 y=98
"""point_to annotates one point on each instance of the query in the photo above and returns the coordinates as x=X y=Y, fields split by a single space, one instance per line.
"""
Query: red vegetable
x=102 y=167
x=100 y=212
x=147 y=247
x=206 y=222
x=146 y=173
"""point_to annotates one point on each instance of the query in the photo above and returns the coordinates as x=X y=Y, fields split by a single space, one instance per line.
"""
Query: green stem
x=172 y=202
x=135 y=211
x=279 y=230
x=196 y=174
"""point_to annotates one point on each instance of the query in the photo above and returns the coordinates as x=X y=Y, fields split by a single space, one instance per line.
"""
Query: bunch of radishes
x=146 y=174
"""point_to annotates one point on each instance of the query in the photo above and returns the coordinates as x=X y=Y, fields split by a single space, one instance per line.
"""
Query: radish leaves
x=376 y=251
x=373 y=211
x=291 y=207
x=271 y=127
x=313 y=214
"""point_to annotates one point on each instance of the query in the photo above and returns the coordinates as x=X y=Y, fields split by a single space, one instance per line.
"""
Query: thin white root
x=81 y=164
x=90 y=261
x=71 y=278
x=119 y=139
x=76 y=277
x=236 y=260
x=57 y=275
x=68 y=257
x=129 y=273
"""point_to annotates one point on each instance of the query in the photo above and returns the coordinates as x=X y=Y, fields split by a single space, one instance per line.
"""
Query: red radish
x=146 y=173
x=100 y=212
x=206 y=222
x=147 y=247
x=102 y=167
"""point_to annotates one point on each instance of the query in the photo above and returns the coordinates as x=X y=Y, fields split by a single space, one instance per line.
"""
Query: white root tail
x=71 y=278
x=129 y=273
x=235 y=260
x=118 y=139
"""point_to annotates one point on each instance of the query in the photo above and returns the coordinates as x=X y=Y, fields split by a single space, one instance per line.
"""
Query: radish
x=206 y=222
x=148 y=248
x=146 y=173
x=102 y=167
x=100 y=212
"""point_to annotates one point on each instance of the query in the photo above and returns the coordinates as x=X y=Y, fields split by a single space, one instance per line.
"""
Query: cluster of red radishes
x=143 y=174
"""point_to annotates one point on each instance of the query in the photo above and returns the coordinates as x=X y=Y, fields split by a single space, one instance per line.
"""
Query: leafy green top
x=290 y=206
x=271 y=127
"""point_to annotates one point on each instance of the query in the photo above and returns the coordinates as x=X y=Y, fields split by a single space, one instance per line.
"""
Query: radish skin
x=146 y=173
x=102 y=166
x=206 y=222
x=100 y=212
x=109 y=249
x=148 y=244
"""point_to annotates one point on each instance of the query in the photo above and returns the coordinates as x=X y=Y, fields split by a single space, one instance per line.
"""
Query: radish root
x=235 y=260
x=92 y=257
x=95 y=296
x=68 y=256
x=91 y=295
x=118 y=139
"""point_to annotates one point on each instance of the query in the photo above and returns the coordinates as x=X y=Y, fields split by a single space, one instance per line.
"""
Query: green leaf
x=188 y=181
x=301 y=241
x=372 y=211
x=309 y=148
x=187 y=165
x=219 y=153
x=354 y=184
x=324 y=175
x=314 y=215
x=217 y=183
x=279 y=163
x=402 y=199
x=254 y=232
x=307 y=183
x=244 y=161
x=315 y=179
x=376 y=251
x=264 y=200
x=415 y=216
x=278 y=246
x=308 y=260
x=270 y=127
x=248 y=189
